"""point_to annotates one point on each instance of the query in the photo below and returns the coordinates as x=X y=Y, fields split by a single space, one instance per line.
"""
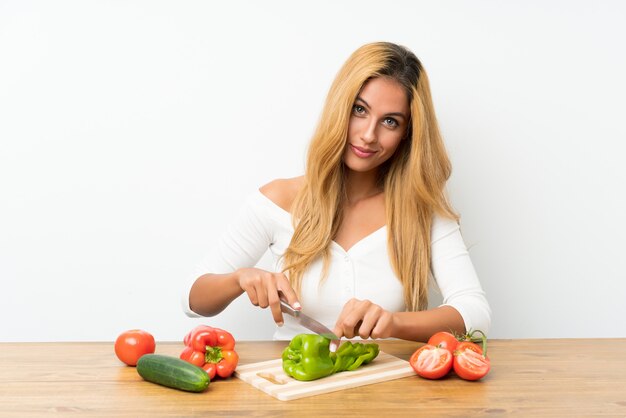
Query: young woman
x=356 y=239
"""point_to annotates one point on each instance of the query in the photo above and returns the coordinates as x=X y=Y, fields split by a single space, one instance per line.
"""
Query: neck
x=361 y=186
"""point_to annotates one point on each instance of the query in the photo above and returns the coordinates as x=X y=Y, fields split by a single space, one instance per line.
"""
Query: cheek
x=355 y=126
x=350 y=131
x=391 y=142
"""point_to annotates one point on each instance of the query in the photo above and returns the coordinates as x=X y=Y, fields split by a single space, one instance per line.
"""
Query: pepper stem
x=213 y=354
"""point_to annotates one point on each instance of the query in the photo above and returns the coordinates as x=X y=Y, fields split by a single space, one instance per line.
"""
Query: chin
x=360 y=168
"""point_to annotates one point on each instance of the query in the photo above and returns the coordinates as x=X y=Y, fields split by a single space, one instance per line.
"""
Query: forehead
x=385 y=95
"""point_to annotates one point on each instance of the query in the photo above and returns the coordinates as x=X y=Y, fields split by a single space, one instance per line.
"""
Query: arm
x=211 y=293
x=464 y=304
x=367 y=320
x=420 y=326
x=228 y=270
x=214 y=283
x=464 y=307
x=456 y=277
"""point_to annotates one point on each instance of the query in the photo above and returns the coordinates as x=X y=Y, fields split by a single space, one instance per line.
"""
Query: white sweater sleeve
x=242 y=245
x=456 y=277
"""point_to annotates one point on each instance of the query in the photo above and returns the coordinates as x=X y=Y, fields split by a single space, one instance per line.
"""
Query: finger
x=370 y=320
x=262 y=298
x=350 y=331
x=251 y=292
x=343 y=331
x=287 y=291
x=357 y=329
x=348 y=318
x=338 y=332
x=261 y=292
x=274 y=303
x=383 y=326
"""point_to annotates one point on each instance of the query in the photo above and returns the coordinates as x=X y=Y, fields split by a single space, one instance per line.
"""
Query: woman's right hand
x=265 y=288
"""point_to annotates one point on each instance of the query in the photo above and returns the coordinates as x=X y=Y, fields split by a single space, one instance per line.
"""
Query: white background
x=132 y=131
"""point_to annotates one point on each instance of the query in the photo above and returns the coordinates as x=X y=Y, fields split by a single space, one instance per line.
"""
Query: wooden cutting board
x=269 y=377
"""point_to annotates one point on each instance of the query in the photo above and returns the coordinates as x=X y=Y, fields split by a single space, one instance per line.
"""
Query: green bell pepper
x=350 y=356
x=308 y=357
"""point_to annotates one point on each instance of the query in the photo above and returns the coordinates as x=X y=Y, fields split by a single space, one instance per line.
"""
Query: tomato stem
x=482 y=338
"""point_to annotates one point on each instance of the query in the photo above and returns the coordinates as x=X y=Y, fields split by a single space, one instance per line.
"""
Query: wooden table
x=558 y=377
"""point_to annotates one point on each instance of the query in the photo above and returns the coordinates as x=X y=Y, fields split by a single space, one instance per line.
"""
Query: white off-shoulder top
x=362 y=272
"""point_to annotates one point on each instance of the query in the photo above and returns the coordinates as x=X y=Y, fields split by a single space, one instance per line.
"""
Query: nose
x=369 y=134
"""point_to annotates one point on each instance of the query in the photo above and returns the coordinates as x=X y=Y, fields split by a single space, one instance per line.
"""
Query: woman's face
x=378 y=123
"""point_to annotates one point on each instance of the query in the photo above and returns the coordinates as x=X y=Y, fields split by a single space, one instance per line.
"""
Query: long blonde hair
x=413 y=178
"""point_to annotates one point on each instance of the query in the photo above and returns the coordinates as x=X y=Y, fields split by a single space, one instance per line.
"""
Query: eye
x=391 y=122
x=358 y=109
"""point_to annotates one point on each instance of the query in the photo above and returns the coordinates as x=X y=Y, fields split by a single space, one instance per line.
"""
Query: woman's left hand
x=364 y=319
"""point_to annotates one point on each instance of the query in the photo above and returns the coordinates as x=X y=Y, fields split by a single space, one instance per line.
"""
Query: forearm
x=420 y=326
x=212 y=293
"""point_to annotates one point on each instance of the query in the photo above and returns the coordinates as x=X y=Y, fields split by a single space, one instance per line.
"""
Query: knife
x=311 y=324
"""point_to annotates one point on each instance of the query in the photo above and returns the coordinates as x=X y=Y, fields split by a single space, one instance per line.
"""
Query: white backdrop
x=131 y=131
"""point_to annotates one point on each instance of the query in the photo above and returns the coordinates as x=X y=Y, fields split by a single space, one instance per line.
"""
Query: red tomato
x=431 y=362
x=131 y=345
x=469 y=362
x=444 y=340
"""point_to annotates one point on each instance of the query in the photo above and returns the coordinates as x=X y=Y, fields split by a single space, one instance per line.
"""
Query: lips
x=362 y=152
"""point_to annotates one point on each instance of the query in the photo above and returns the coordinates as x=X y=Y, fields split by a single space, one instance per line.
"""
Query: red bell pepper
x=213 y=349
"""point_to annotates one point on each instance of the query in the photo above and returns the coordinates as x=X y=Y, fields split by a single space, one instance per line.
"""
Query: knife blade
x=311 y=324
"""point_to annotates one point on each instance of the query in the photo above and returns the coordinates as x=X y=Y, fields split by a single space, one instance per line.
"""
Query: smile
x=361 y=152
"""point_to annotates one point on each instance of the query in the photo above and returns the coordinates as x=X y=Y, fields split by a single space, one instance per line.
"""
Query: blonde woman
x=358 y=237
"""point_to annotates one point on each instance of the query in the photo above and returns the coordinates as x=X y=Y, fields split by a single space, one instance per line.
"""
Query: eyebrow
x=387 y=114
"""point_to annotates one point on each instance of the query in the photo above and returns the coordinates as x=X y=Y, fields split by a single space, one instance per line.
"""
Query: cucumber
x=172 y=372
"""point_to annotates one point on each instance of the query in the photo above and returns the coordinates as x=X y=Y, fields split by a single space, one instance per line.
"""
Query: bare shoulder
x=283 y=191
